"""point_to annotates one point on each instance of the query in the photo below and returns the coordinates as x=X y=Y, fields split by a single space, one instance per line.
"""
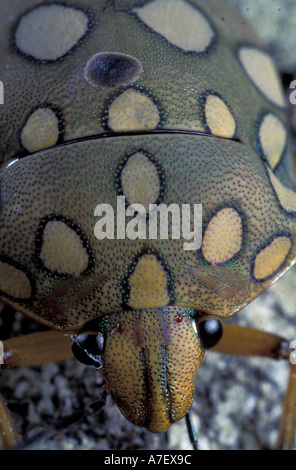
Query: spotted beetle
x=114 y=104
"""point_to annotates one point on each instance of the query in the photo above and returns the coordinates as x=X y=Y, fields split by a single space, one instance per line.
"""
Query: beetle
x=120 y=108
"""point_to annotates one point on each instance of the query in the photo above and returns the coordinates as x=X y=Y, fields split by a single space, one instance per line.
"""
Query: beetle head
x=149 y=359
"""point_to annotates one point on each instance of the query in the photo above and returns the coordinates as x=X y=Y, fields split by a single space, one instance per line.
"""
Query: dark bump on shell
x=112 y=70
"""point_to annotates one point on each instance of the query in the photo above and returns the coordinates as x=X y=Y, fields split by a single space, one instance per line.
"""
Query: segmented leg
x=30 y=350
x=243 y=341
x=36 y=349
x=8 y=432
x=288 y=419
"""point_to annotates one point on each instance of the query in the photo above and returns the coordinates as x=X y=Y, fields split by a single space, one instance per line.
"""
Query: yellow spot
x=62 y=250
x=132 y=111
x=140 y=181
x=179 y=22
x=219 y=118
x=14 y=282
x=49 y=31
x=223 y=236
x=273 y=137
x=148 y=284
x=41 y=130
x=286 y=196
x=261 y=70
x=269 y=260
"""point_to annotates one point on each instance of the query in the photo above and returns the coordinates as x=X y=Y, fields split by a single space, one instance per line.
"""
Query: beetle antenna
x=191 y=432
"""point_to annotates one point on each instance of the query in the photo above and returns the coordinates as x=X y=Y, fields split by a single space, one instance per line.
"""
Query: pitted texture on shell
x=119 y=67
x=150 y=364
x=94 y=276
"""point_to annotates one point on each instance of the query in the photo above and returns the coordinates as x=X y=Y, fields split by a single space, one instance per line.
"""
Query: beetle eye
x=210 y=331
x=88 y=348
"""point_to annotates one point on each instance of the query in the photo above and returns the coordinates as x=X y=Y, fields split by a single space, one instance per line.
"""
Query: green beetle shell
x=106 y=99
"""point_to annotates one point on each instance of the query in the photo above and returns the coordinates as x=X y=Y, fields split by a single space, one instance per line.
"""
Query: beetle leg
x=244 y=341
x=29 y=350
x=8 y=432
x=36 y=349
x=288 y=419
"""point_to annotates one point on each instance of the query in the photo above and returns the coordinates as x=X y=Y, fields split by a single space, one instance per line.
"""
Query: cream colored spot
x=148 y=284
x=49 y=31
x=41 y=130
x=286 y=196
x=219 y=118
x=62 y=250
x=269 y=260
x=179 y=22
x=132 y=111
x=140 y=181
x=223 y=237
x=273 y=137
x=14 y=282
x=261 y=70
